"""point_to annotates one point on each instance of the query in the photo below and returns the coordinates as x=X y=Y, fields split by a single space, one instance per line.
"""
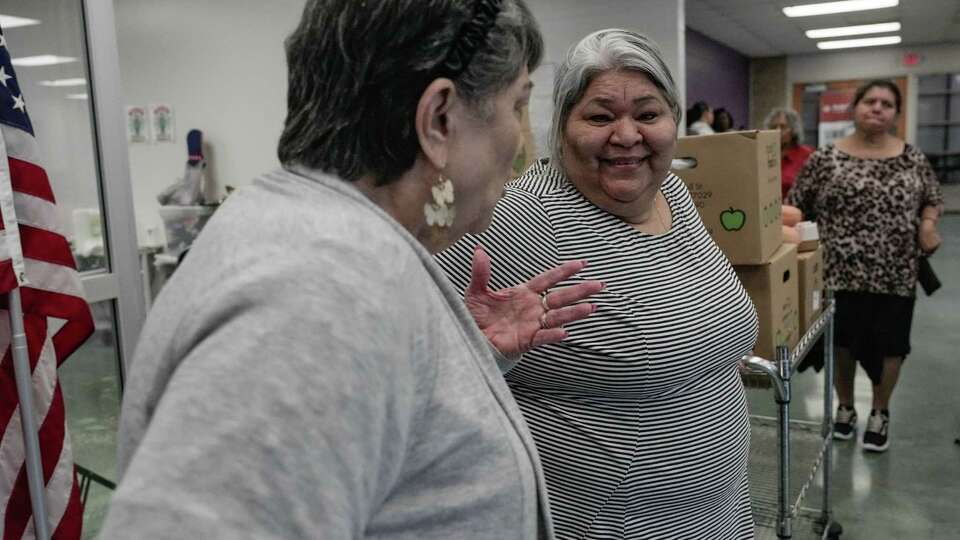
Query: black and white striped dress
x=640 y=416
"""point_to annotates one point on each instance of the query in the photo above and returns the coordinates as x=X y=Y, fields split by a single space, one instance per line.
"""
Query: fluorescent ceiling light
x=76 y=96
x=42 y=60
x=9 y=21
x=846 y=6
x=853 y=30
x=64 y=82
x=862 y=42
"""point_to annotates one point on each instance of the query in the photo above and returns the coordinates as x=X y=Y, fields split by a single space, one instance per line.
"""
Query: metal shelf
x=806 y=455
x=806 y=527
x=786 y=455
x=809 y=339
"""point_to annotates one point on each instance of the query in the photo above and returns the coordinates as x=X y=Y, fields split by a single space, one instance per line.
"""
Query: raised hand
x=520 y=318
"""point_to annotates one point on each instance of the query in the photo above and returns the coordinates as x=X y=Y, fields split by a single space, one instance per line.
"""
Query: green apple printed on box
x=733 y=219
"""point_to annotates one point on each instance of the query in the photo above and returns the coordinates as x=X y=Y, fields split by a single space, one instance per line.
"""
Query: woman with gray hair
x=793 y=153
x=309 y=372
x=640 y=415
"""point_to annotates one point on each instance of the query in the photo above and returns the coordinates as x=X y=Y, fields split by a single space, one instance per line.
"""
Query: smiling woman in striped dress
x=640 y=415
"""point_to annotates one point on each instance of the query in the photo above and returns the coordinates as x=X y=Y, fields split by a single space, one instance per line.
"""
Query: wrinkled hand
x=518 y=319
x=928 y=237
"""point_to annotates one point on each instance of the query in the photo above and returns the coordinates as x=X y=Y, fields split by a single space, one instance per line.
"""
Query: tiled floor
x=91 y=390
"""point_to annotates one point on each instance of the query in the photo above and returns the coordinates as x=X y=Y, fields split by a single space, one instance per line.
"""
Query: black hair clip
x=473 y=35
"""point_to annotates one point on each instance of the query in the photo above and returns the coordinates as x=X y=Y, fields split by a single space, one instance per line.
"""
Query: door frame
x=122 y=281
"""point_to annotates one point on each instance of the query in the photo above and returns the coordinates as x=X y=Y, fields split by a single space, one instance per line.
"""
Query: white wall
x=220 y=64
x=564 y=22
x=882 y=62
x=866 y=63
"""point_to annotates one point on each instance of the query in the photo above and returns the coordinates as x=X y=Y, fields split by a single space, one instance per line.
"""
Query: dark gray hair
x=793 y=120
x=357 y=69
x=602 y=51
x=877 y=83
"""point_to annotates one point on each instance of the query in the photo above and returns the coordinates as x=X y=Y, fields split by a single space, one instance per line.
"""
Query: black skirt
x=873 y=326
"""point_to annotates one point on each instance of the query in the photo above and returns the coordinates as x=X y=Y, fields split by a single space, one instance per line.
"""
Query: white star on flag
x=3 y=75
x=19 y=104
x=3 y=41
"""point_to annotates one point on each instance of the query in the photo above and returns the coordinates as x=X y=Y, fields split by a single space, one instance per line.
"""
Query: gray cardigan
x=308 y=372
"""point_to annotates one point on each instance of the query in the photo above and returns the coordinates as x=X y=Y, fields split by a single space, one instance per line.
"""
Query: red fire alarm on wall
x=911 y=59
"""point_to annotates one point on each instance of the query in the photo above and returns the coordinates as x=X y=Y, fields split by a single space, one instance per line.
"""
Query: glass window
x=953 y=145
x=933 y=83
x=931 y=108
x=930 y=139
x=56 y=91
x=90 y=380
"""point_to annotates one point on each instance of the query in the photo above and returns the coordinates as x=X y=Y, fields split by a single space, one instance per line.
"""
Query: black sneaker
x=875 y=438
x=845 y=423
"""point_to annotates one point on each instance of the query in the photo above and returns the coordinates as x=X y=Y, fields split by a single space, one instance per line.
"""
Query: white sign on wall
x=138 y=130
x=161 y=121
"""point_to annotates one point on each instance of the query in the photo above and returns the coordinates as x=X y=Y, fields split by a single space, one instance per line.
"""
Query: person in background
x=793 y=153
x=722 y=121
x=640 y=415
x=309 y=372
x=699 y=119
x=876 y=201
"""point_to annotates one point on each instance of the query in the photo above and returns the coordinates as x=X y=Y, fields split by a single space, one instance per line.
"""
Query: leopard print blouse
x=868 y=215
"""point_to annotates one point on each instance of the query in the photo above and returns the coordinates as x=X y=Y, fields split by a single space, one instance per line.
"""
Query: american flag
x=56 y=317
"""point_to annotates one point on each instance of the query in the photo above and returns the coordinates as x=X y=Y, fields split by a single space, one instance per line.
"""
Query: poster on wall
x=836 y=118
x=161 y=120
x=137 y=128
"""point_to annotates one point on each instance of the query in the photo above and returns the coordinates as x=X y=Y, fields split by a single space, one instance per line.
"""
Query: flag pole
x=28 y=421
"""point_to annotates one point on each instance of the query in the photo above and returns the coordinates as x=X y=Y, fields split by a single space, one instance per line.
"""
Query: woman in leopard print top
x=876 y=201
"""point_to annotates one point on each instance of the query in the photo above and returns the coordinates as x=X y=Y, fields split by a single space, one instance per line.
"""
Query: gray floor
x=913 y=490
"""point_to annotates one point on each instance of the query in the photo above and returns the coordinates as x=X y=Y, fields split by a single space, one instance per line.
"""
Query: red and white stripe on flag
x=57 y=320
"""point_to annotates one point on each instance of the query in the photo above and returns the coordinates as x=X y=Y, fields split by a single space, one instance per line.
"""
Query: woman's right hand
x=520 y=318
x=928 y=237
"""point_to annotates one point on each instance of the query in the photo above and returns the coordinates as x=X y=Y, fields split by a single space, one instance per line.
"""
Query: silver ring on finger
x=543 y=321
x=543 y=302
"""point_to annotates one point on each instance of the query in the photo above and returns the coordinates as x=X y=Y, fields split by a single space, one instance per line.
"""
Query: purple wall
x=718 y=75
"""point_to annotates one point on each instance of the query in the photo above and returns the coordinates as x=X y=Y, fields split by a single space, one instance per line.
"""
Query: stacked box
x=773 y=288
x=734 y=179
x=810 y=268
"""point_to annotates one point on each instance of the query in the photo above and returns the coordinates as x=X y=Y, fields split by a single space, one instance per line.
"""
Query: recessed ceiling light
x=9 y=21
x=42 y=60
x=846 y=6
x=853 y=30
x=76 y=96
x=862 y=42
x=63 y=82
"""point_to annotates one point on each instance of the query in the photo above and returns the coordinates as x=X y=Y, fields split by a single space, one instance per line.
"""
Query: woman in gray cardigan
x=308 y=372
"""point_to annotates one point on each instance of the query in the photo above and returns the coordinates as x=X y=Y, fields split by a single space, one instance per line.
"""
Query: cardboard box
x=773 y=288
x=809 y=236
x=736 y=187
x=810 y=270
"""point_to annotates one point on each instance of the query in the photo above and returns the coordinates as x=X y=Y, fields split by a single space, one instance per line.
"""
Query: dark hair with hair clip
x=472 y=36
x=357 y=69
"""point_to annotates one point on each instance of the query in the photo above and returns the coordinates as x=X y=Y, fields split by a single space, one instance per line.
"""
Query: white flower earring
x=440 y=212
